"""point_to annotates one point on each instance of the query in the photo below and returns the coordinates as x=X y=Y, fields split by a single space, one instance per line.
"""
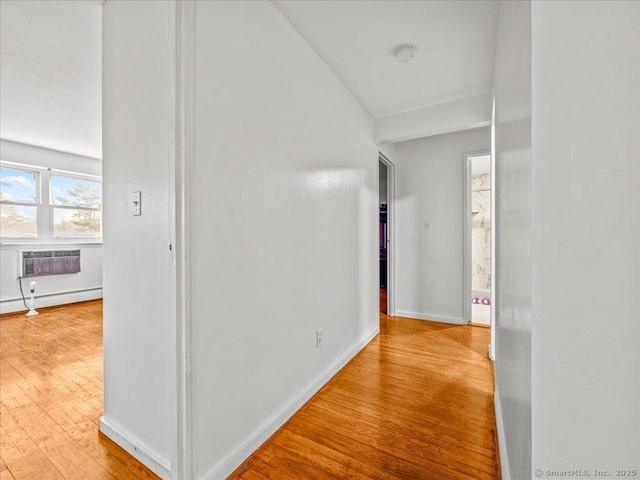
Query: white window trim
x=45 y=207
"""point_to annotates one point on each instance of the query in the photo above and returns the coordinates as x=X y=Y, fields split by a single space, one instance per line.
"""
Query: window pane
x=17 y=185
x=18 y=222
x=75 y=192
x=72 y=222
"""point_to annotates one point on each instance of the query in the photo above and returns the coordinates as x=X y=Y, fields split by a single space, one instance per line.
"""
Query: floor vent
x=50 y=262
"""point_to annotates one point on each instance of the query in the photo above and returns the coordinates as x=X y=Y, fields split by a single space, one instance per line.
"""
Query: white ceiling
x=358 y=39
x=50 y=80
x=50 y=54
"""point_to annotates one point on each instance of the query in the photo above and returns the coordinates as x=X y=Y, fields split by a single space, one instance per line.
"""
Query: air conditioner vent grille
x=50 y=262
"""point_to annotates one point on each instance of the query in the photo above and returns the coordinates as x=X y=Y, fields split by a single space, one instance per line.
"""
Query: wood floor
x=416 y=403
x=51 y=399
x=383 y=300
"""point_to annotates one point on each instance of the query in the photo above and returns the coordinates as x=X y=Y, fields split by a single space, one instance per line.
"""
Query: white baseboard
x=502 y=446
x=223 y=469
x=51 y=300
x=430 y=317
x=135 y=447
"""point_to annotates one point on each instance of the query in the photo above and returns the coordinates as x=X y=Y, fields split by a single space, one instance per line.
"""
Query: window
x=18 y=203
x=75 y=207
x=38 y=204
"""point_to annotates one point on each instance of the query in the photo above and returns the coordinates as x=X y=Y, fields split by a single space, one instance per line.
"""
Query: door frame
x=181 y=159
x=467 y=231
x=391 y=231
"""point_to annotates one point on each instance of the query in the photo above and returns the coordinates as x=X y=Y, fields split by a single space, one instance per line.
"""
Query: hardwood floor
x=51 y=399
x=416 y=403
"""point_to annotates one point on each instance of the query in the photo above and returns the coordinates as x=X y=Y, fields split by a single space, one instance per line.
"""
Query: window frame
x=38 y=201
x=44 y=206
x=52 y=205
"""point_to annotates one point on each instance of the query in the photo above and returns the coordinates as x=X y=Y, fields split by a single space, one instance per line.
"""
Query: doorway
x=386 y=222
x=383 y=233
x=478 y=228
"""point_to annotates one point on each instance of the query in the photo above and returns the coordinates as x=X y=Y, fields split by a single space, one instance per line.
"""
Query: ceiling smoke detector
x=406 y=53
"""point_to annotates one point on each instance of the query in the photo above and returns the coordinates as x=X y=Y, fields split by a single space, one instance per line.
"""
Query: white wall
x=568 y=237
x=47 y=158
x=388 y=150
x=463 y=114
x=285 y=228
x=383 y=177
x=513 y=239
x=137 y=140
x=429 y=183
x=52 y=289
x=586 y=235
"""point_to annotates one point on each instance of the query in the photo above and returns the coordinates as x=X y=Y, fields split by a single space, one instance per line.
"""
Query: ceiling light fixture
x=406 y=53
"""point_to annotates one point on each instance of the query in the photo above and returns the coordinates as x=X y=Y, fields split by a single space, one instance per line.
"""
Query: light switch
x=136 y=203
x=427 y=225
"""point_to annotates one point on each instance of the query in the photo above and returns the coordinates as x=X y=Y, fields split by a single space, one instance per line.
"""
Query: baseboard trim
x=430 y=317
x=223 y=469
x=135 y=447
x=502 y=446
x=52 y=299
x=476 y=324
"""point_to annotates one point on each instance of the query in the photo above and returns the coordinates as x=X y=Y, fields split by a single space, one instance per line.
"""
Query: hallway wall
x=586 y=235
x=136 y=148
x=568 y=180
x=285 y=225
x=430 y=188
x=513 y=301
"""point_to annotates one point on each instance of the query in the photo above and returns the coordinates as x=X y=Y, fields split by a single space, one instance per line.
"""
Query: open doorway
x=478 y=227
x=383 y=233
x=386 y=195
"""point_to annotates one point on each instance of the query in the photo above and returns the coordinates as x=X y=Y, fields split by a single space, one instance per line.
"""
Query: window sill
x=48 y=243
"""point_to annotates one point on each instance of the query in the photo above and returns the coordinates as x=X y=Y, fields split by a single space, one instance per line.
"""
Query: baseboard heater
x=49 y=262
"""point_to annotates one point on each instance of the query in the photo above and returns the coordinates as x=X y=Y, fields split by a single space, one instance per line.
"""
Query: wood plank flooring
x=51 y=399
x=416 y=403
x=383 y=300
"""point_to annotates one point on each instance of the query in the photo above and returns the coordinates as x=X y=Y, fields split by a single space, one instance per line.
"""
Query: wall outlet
x=319 y=337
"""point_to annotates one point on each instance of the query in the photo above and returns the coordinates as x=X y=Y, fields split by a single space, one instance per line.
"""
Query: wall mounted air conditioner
x=38 y=263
